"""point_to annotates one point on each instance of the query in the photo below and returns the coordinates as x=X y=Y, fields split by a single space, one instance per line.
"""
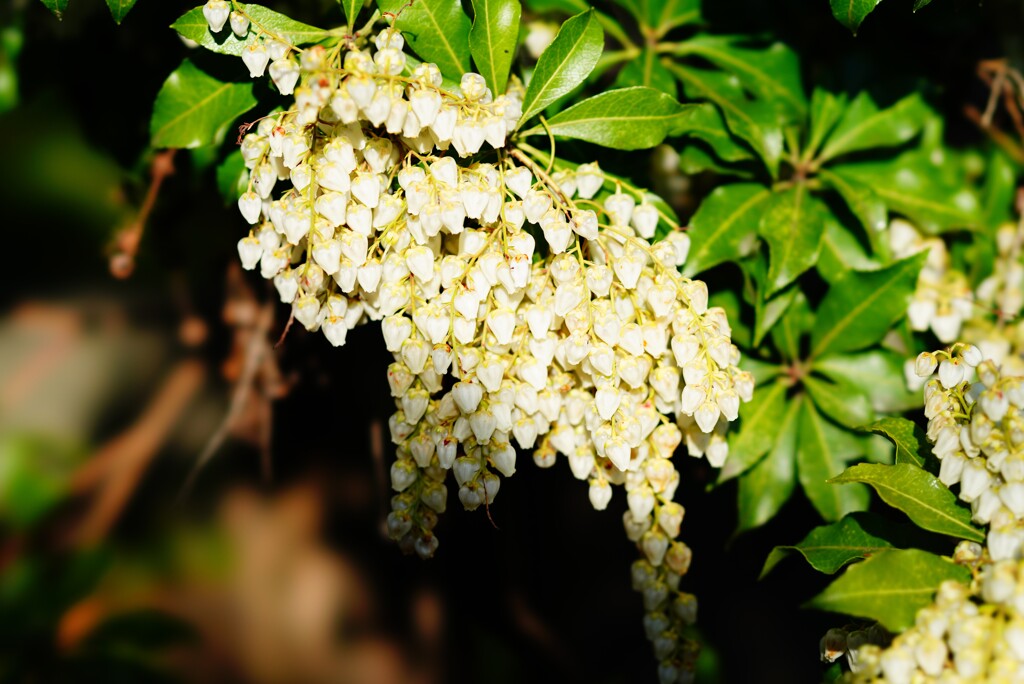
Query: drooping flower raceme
x=524 y=306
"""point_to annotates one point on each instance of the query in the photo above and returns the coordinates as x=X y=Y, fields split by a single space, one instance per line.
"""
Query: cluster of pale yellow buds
x=369 y=200
x=970 y=634
x=943 y=299
x=978 y=434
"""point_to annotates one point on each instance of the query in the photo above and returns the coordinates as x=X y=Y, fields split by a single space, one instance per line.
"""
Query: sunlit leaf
x=646 y=70
x=877 y=373
x=725 y=225
x=858 y=130
x=793 y=224
x=850 y=13
x=829 y=547
x=861 y=306
x=839 y=401
x=625 y=119
x=492 y=40
x=565 y=63
x=119 y=8
x=765 y=487
x=194 y=108
x=822 y=453
x=437 y=31
x=889 y=587
x=919 y=494
x=905 y=435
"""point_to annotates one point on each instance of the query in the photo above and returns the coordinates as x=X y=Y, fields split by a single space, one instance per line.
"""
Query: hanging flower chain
x=409 y=204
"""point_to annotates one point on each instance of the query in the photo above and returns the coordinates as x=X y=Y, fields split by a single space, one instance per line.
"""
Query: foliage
x=841 y=228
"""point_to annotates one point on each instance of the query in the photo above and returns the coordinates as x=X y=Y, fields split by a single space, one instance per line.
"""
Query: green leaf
x=56 y=6
x=765 y=487
x=625 y=119
x=492 y=40
x=759 y=420
x=826 y=109
x=753 y=121
x=437 y=31
x=565 y=63
x=877 y=373
x=793 y=224
x=767 y=312
x=193 y=25
x=886 y=128
x=232 y=178
x=913 y=185
x=842 y=252
x=648 y=71
x=792 y=327
x=862 y=200
x=905 y=435
x=860 y=307
x=830 y=547
x=919 y=494
x=119 y=8
x=839 y=401
x=771 y=73
x=194 y=108
x=725 y=225
x=850 y=13
x=661 y=16
x=351 y=9
x=706 y=123
x=890 y=587
x=821 y=455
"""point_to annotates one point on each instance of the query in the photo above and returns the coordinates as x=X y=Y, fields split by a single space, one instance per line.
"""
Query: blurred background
x=132 y=347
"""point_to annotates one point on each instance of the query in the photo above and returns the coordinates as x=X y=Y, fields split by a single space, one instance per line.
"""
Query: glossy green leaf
x=565 y=63
x=793 y=225
x=194 y=108
x=886 y=128
x=351 y=9
x=877 y=373
x=646 y=70
x=905 y=435
x=918 y=4
x=771 y=73
x=860 y=307
x=752 y=120
x=437 y=31
x=759 y=420
x=768 y=311
x=822 y=453
x=766 y=486
x=56 y=6
x=193 y=25
x=706 y=124
x=119 y=8
x=232 y=178
x=792 y=327
x=850 y=13
x=763 y=371
x=830 y=547
x=725 y=225
x=841 y=252
x=826 y=110
x=914 y=185
x=862 y=200
x=919 y=494
x=890 y=587
x=841 y=402
x=625 y=119
x=661 y=16
x=492 y=40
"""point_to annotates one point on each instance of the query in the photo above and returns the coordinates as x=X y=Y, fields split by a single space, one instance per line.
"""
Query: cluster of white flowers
x=969 y=634
x=978 y=434
x=943 y=299
x=584 y=345
x=998 y=329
